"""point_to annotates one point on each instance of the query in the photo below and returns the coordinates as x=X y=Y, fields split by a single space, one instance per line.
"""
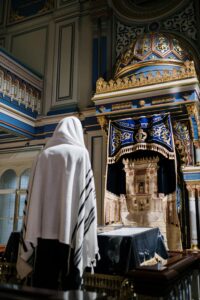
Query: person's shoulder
x=64 y=149
x=83 y=151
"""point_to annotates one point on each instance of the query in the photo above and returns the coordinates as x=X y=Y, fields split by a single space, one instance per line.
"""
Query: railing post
x=196 y=285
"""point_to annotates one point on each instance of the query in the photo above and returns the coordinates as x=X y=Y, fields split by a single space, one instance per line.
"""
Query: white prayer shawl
x=61 y=201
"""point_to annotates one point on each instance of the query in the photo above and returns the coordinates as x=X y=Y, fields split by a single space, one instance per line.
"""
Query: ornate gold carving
x=102 y=122
x=187 y=71
x=193 y=111
x=163 y=100
x=119 y=106
x=191 y=108
x=183 y=142
x=141 y=135
x=102 y=108
x=142 y=103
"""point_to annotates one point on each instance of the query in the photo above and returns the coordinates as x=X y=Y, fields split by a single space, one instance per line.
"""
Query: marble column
x=197 y=152
x=193 y=216
x=198 y=199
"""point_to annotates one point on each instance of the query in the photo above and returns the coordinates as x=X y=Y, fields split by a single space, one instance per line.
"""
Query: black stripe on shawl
x=31 y=259
x=81 y=208
x=88 y=173
x=23 y=244
x=76 y=263
x=86 y=187
x=91 y=221
x=91 y=215
x=77 y=254
x=82 y=205
x=88 y=222
x=77 y=257
x=32 y=246
x=73 y=233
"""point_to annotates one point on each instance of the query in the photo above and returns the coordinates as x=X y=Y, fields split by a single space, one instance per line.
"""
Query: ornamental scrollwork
x=118 y=137
x=193 y=110
x=182 y=142
x=183 y=22
x=162 y=133
x=125 y=34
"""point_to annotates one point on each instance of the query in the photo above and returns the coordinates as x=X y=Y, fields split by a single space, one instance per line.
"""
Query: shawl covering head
x=61 y=201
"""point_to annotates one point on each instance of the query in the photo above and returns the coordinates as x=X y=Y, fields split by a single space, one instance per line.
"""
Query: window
x=21 y=196
x=12 y=197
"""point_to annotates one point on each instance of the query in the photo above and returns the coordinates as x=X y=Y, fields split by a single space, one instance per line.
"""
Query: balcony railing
x=19 y=85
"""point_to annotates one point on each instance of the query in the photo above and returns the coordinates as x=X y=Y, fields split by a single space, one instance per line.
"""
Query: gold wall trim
x=187 y=71
x=142 y=64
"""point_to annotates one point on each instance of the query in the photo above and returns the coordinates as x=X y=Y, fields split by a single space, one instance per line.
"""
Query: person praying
x=60 y=218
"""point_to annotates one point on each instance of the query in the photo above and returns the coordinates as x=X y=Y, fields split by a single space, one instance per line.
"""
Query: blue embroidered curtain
x=144 y=133
x=137 y=138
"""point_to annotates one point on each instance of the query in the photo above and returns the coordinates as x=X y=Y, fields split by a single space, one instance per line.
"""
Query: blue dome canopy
x=151 y=52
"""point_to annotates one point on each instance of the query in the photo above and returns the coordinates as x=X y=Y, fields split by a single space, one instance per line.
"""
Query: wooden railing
x=178 y=279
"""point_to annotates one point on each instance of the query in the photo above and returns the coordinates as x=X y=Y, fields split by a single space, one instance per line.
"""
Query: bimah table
x=123 y=249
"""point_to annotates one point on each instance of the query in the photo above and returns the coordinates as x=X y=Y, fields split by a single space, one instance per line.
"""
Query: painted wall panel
x=97 y=148
x=20 y=10
x=30 y=48
x=65 y=63
x=2 y=42
x=85 y=65
x=2 y=11
x=67 y=2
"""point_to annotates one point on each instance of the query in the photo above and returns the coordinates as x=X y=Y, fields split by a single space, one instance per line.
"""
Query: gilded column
x=193 y=216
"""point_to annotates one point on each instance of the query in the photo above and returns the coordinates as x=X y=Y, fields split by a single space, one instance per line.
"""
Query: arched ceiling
x=145 y=10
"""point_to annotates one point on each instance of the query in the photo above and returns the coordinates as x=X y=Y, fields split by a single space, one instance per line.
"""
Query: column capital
x=197 y=144
x=191 y=186
x=191 y=189
x=198 y=189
